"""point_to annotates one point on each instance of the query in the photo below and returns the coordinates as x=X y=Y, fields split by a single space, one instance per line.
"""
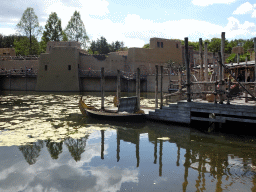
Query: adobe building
x=58 y=67
x=7 y=52
x=65 y=66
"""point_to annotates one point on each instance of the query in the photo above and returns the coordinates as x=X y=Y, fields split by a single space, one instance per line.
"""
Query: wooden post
x=205 y=62
x=118 y=89
x=156 y=88
x=254 y=66
x=221 y=81
x=246 y=75
x=102 y=88
x=188 y=69
x=222 y=60
x=229 y=85
x=201 y=59
x=161 y=87
x=138 y=88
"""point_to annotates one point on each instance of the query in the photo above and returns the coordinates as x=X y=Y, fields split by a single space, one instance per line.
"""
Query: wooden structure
x=220 y=89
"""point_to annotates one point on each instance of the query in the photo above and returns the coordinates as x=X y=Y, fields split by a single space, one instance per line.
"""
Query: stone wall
x=18 y=83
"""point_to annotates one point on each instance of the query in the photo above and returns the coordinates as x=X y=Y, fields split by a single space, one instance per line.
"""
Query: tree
x=75 y=29
x=53 y=30
x=22 y=46
x=146 y=46
x=29 y=25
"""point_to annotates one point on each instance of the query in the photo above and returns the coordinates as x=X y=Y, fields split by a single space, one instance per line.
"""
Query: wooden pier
x=197 y=108
x=185 y=112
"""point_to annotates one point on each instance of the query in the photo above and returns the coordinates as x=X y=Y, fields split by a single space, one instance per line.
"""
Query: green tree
x=22 y=46
x=29 y=25
x=64 y=36
x=53 y=30
x=146 y=46
x=75 y=30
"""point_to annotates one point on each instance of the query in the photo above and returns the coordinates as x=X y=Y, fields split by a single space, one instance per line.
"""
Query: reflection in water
x=76 y=146
x=31 y=152
x=54 y=148
x=153 y=157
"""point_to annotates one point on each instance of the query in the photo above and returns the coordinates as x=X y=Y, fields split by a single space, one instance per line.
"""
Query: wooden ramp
x=185 y=112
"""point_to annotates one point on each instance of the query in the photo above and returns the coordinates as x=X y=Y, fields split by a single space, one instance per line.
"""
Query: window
x=177 y=45
x=69 y=67
x=158 y=44
x=45 y=67
x=162 y=45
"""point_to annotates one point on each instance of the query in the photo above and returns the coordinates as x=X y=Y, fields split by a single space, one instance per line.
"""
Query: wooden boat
x=113 y=115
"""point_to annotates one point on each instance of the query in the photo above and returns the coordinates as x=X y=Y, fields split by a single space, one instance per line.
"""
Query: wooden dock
x=185 y=112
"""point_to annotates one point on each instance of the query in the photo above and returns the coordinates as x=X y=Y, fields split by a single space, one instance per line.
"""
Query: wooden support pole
x=205 y=62
x=138 y=88
x=245 y=80
x=102 y=88
x=156 y=88
x=201 y=59
x=222 y=53
x=161 y=87
x=118 y=89
x=221 y=81
x=187 y=69
x=254 y=65
x=222 y=60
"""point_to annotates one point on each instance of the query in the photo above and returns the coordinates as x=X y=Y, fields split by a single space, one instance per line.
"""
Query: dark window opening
x=78 y=66
x=162 y=44
x=177 y=45
x=158 y=44
x=69 y=67
x=45 y=67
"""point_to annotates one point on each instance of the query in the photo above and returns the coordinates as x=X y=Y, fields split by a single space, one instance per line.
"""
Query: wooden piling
x=205 y=62
x=118 y=89
x=138 y=88
x=102 y=88
x=201 y=59
x=255 y=65
x=221 y=81
x=222 y=60
x=156 y=88
x=188 y=69
x=161 y=87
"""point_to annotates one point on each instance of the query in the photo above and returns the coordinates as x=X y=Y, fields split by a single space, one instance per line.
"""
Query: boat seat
x=127 y=104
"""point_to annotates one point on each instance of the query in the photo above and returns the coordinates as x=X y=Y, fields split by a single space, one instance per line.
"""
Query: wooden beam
x=187 y=69
x=102 y=88
x=156 y=88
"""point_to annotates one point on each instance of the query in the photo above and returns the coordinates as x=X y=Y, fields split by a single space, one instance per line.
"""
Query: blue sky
x=135 y=21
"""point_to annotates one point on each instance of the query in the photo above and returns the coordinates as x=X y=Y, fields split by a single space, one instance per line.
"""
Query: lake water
x=47 y=145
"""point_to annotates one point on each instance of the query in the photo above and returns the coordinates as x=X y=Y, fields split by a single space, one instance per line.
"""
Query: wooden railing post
x=102 y=88
x=118 y=91
x=138 y=88
x=201 y=59
x=221 y=81
x=254 y=66
x=161 y=87
x=156 y=88
x=188 y=70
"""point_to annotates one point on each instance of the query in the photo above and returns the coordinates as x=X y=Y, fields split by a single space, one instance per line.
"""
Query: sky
x=136 y=21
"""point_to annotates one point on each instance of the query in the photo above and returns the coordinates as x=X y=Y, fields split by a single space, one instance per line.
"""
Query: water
x=47 y=145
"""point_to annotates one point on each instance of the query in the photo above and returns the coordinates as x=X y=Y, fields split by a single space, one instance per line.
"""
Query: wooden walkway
x=185 y=112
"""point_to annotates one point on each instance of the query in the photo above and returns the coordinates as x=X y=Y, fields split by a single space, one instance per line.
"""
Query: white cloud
x=244 y=9
x=7 y=31
x=211 y=2
x=236 y=29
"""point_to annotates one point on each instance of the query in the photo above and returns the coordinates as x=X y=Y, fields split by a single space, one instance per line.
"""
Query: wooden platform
x=185 y=112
